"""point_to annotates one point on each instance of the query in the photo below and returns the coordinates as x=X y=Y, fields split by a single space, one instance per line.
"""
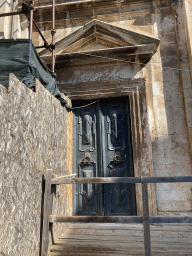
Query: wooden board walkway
x=85 y=239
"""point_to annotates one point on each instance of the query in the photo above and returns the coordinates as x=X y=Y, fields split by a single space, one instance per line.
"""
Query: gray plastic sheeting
x=21 y=58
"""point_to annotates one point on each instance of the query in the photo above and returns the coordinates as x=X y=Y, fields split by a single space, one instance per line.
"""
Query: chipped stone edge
x=38 y=86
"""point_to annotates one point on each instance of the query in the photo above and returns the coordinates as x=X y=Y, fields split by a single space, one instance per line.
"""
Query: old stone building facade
x=145 y=54
x=140 y=51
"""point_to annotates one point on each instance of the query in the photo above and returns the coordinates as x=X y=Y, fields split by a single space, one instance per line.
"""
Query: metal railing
x=145 y=218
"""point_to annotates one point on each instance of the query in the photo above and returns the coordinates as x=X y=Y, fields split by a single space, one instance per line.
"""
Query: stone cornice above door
x=100 y=40
x=80 y=7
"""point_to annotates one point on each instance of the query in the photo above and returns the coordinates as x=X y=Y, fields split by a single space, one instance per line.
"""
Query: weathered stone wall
x=34 y=136
x=168 y=80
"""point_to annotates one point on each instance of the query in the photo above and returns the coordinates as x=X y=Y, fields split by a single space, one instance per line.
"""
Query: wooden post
x=46 y=213
x=146 y=225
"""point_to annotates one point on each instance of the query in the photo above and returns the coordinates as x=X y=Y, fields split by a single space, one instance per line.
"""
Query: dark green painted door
x=102 y=148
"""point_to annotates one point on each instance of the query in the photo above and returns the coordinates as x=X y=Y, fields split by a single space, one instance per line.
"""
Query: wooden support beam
x=62 y=179
x=169 y=179
x=155 y=219
x=128 y=219
x=46 y=213
x=146 y=225
x=95 y=180
x=96 y=219
x=12 y=13
x=72 y=180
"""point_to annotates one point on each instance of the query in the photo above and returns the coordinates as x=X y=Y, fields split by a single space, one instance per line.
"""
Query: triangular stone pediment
x=97 y=36
x=95 y=41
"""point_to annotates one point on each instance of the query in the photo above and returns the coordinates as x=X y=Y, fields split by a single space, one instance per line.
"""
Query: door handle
x=87 y=158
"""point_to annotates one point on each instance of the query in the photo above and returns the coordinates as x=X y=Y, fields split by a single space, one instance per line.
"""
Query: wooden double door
x=102 y=148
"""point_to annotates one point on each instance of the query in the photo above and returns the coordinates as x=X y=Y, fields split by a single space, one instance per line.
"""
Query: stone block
x=157 y=89
x=169 y=38
x=173 y=206
x=167 y=22
x=181 y=193
x=172 y=170
x=168 y=76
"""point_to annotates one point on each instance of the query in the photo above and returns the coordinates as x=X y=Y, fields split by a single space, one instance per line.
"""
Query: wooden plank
x=94 y=253
x=186 y=219
x=97 y=243
x=61 y=179
x=98 y=248
x=132 y=238
x=146 y=226
x=101 y=180
x=126 y=234
x=169 y=179
x=122 y=246
x=88 y=253
x=117 y=226
x=166 y=243
x=96 y=180
x=97 y=252
x=46 y=213
x=90 y=242
x=101 y=233
x=133 y=253
x=96 y=219
x=132 y=245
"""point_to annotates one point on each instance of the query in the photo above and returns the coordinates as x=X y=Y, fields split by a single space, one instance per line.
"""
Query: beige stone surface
x=34 y=137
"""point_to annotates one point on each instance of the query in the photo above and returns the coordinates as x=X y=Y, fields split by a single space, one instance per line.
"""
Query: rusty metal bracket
x=52 y=46
x=53 y=31
x=87 y=158
x=117 y=157
x=27 y=7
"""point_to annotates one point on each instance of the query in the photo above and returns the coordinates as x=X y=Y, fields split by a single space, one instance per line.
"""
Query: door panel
x=102 y=148
x=87 y=129
x=87 y=199
x=118 y=198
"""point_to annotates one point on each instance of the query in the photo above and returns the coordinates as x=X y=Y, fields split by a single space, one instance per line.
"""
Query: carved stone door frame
x=141 y=141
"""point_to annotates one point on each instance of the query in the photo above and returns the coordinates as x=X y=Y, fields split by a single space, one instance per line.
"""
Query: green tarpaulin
x=21 y=58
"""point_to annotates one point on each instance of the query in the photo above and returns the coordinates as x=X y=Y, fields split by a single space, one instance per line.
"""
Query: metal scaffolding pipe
x=12 y=20
x=40 y=33
x=11 y=14
x=53 y=36
x=31 y=20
